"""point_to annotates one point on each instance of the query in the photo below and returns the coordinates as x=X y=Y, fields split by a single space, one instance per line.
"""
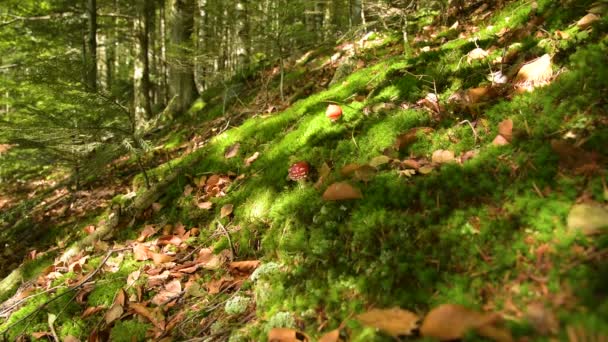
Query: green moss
x=129 y=330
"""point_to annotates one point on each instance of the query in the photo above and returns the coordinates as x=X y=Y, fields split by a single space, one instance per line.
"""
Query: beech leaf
x=251 y=159
x=442 y=157
x=341 y=191
x=232 y=151
x=113 y=313
x=500 y=141
x=588 y=218
x=505 y=128
x=226 y=210
x=395 y=321
x=379 y=160
x=452 y=322
x=286 y=335
x=332 y=336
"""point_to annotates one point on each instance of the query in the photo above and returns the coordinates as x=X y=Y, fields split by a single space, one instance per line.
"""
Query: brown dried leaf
x=188 y=190
x=587 y=20
x=535 y=73
x=90 y=229
x=379 y=160
x=205 y=205
x=475 y=54
x=232 y=151
x=341 y=191
x=243 y=267
x=286 y=335
x=452 y=322
x=500 y=141
x=140 y=252
x=160 y=258
x=405 y=139
x=226 y=210
x=251 y=159
x=114 y=313
x=443 y=156
x=332 y=336
x=324 y=173
x=171 y=291
x=148 y=231
x=505 y=128
x=91 y=310
x=349 y=169
x=141 y=310
x=588 y=218
x=71 y=338
x=395 y=322
x=365 y=173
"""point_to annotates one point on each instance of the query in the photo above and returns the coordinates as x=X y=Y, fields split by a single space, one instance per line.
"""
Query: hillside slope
x=472 y=172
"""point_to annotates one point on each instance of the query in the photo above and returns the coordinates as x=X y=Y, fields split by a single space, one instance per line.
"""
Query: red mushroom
x=299 y=171
x=333 y=112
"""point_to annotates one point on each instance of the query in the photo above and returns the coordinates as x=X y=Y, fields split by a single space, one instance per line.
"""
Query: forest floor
x=461 y=195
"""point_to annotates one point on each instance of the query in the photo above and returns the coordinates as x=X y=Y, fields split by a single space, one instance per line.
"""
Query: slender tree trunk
x=91 y=65
x=181 y=73
x=164 y=84
x=141 y=65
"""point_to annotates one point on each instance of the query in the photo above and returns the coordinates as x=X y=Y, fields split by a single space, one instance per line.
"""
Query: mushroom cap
x=299 y=170
x=333 y=112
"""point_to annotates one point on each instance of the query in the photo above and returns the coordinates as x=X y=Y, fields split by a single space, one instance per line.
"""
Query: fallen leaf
x=341 y=191
x=475 y=54
x=133 y=277
x=535 y=73
x=205 y=205
x=286 y=335
x=500 y=141
x=251 y=159
x=407 y=173
x=379 y=160
x=160 y=258
x=91 y=310
x=442 y=157
x=405 y=139
x=452 y=322
x=395 y=322
x=172 y=290
x=71 y=338
x=365 y=173
x=505 y=128
x=148 y=231
x=243 y=267
x=188 y=190
x=40 y=334
x=232 y=151
x=324 y=173
x=140 y=252
x=226 y=210
x=90 y=229
x=425 y=170
x=588 y=218
x=113 y=313
x=587 y=20
x=349 y=169
x=156 y=207
x=332 y=336
x=141 y=310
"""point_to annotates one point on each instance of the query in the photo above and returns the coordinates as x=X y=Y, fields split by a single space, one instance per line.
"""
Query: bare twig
x=472 y=128
x=228 y=237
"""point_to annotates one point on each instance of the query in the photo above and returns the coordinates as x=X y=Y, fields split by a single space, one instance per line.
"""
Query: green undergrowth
x=465 y=234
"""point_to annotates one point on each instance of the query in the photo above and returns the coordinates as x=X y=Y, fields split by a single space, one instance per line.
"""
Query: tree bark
x=91 y=61
x=181 y=73
x=141 y=66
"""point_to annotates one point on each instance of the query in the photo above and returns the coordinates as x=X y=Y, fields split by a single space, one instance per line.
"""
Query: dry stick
x=229 y=239
x=472 y=128
x=71 y=289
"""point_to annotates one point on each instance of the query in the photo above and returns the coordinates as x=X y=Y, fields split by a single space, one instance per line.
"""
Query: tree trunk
x=141 y=65
x=181 y=73
x=91 y=61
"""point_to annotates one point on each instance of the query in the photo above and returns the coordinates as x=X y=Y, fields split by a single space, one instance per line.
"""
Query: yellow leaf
x=226 y=210
x=395 y=322
x=379 y=160
x=442 y=157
